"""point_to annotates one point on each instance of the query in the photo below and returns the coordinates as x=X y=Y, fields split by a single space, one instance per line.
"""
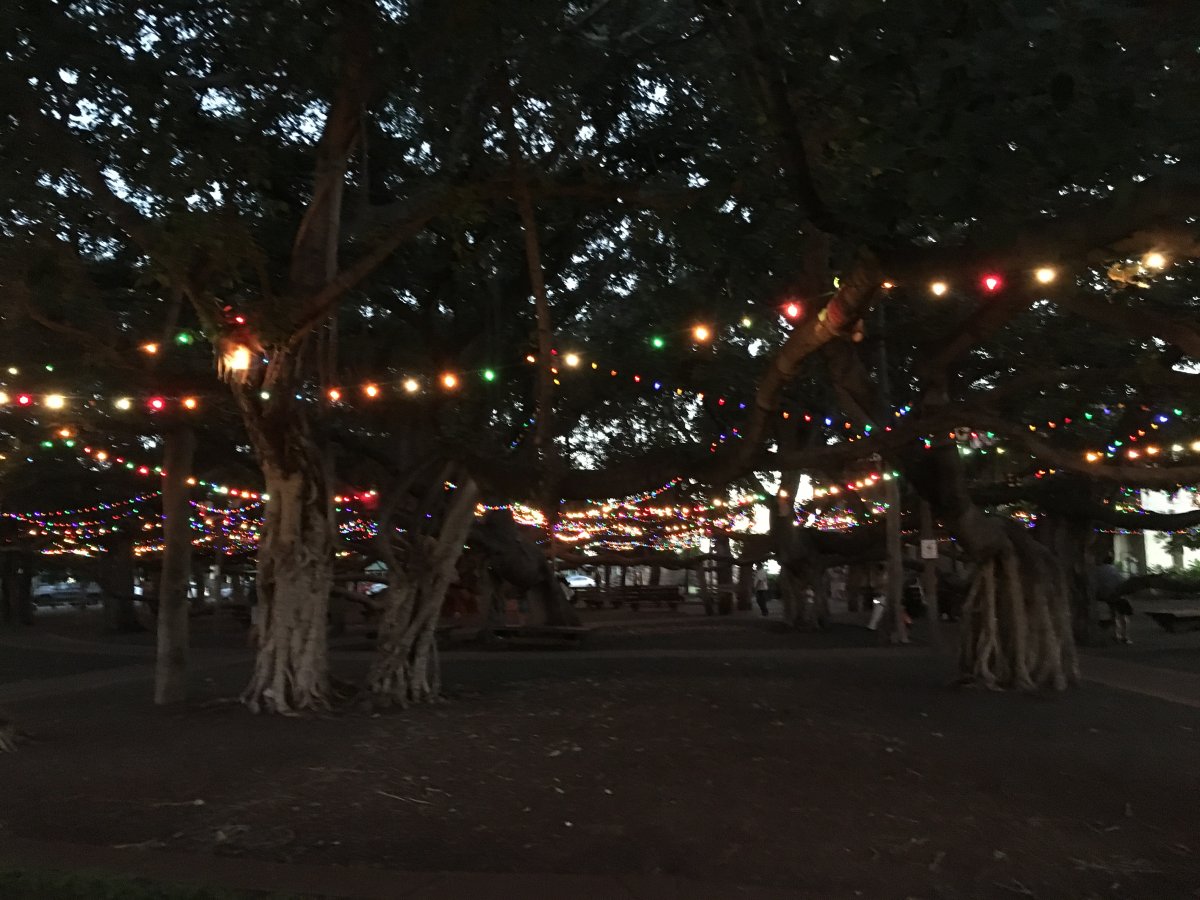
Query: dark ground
x=715 y=750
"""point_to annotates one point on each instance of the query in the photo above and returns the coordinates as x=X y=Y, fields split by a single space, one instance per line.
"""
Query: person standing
x=1108 y=590
x=761 y=587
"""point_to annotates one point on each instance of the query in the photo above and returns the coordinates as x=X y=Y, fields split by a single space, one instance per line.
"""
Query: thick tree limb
x=1133 y=320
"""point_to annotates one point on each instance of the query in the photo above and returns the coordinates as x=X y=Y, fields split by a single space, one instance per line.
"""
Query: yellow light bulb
x=449 y=381
x=190 y=403
x=55 y=401
x=238 y=358
x=1045 y=275
x=150 y=348
x=571 y=359
x=939 y=288
x=371 y=391
x=411 y=385
x=124 y=404
x=3 y=398
x=701 y=333
x=1154 y=260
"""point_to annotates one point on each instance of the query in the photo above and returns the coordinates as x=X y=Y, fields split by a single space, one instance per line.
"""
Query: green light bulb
x=489 y=374
x=657 y=343
x=184 y=338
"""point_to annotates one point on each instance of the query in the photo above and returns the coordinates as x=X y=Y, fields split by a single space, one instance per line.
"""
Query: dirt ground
x=718 y=751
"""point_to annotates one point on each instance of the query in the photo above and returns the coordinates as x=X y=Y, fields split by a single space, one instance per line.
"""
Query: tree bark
x=1016 y=626
x=895 y=565
x=171 y=669
x=116 y=581
x=406 y=670
x=929 y=579
x=16 y=585
x=295 y=575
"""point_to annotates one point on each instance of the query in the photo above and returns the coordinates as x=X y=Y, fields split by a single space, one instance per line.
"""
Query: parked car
x=579 y=580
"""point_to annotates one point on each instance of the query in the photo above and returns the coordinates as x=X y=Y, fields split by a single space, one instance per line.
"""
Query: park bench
x=1176 y=620
x=633 y=595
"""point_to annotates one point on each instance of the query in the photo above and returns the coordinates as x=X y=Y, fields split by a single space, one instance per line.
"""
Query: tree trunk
x=406 y=671
x=1016 y=624
x=895 y=565
x=295 y=575
x=745 y=587
x=929 y=579
x=116 y=581
x=16 y=588
x=171 y=669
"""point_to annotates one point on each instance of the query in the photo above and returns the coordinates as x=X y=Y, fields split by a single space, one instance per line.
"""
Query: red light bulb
x=792 y=310
x=992 y=283
x=158 y=404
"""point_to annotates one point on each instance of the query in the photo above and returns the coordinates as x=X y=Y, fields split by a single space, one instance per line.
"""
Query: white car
x=579 y=580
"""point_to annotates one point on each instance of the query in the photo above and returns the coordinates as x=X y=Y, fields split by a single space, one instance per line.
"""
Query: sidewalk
x=362 y=881
x=1171 y=685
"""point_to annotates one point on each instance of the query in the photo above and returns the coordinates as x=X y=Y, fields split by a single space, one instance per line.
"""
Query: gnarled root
x=1016 y=627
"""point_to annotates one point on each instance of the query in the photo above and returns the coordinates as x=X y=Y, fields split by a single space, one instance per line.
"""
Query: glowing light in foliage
x=657 y=343
x=1045 y=275
x=939 y=288
x=992 y=283
x=489 y=374
x=792 y=310
x=449 y=381
x=702 y=333
x=411 y=385
x=238 y=358
x=571 y=359
x=1154 y=260
x=371 y=390
x=55 y=401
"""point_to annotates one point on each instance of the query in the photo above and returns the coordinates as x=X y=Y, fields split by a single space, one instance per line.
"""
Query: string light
x=123 y=403
x=190 y=403
x=184 y=338
x=489 y=375
x=411 y=385
x=54 y=401
x=992 y=283
x=150 y=348
x=334 y=395
x=701 y=333
x=571 y=359
x=371 y=390
x=1045 y=275
x=449 y=381
x=938 y=288
x=1154 y=260
x=656 y=342
x=792 y=310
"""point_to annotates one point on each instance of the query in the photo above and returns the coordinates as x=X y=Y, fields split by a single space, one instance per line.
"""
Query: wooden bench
x=633 y=595
x=1176 y=620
